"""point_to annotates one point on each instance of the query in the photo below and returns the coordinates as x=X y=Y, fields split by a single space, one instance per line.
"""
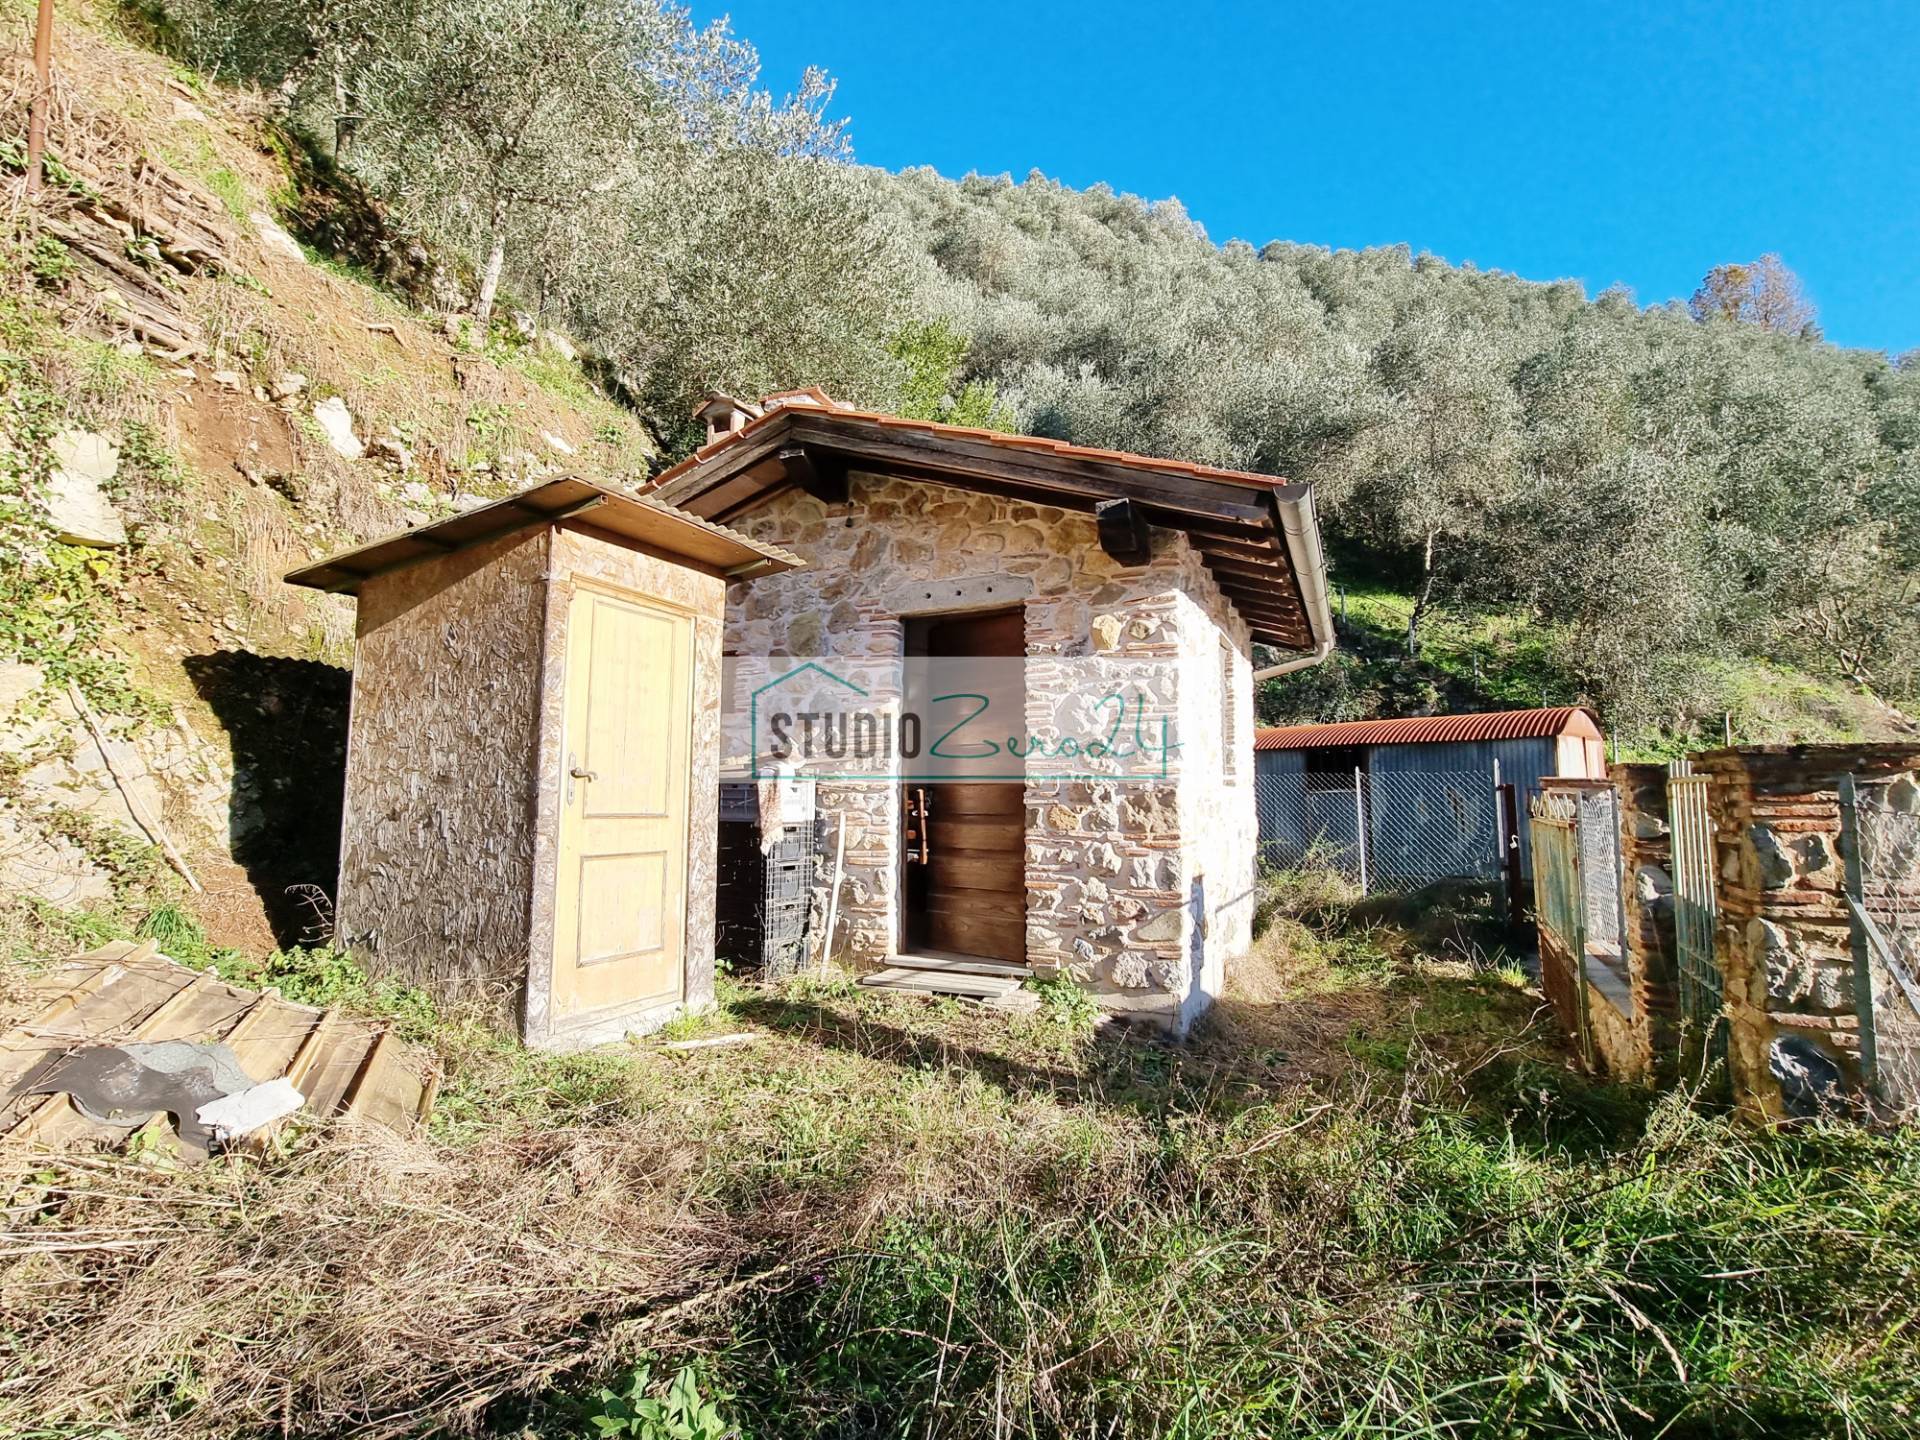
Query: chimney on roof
x=722 y=414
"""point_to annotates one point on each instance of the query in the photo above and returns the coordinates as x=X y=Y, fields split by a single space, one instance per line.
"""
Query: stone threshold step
x=954 y=963
x=1003 y=992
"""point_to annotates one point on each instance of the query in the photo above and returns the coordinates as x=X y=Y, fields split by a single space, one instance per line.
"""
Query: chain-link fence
x=1564 y=909
x=1388 y=830
x=1600 y=869
x=1883 y=884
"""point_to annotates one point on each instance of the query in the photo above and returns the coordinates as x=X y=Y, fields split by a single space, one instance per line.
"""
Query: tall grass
x=1373 y=1275
x=1389 y=1210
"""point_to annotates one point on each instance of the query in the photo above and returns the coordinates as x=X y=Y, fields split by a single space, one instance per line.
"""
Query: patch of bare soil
x=223 y=430
x=1278 y=999
x=230 y=909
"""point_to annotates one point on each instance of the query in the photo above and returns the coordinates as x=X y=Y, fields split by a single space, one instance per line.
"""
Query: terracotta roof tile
x=1432 y=729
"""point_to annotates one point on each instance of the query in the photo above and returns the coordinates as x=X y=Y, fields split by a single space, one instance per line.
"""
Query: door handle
x=576 y=771
x=924 y=853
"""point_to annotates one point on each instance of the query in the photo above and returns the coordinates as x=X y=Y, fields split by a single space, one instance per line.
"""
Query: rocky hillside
x=192 y=402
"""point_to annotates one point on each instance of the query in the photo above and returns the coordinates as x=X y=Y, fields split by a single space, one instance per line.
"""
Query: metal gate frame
x=1875 y=954
x=1696 y=910
x=1560 y=903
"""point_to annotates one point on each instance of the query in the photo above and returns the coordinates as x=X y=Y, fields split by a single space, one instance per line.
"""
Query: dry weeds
x=369 y=1282
x=572 y=1211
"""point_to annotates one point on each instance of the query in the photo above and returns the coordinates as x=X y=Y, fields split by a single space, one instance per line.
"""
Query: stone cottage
x=965 y=545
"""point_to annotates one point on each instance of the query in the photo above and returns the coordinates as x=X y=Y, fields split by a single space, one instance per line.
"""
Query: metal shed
x=1419 y=792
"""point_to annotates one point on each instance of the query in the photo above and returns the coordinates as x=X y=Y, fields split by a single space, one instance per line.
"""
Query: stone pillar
x=865 y=925
x=1646 y=846
x=1106 y=897
x=1784 y=942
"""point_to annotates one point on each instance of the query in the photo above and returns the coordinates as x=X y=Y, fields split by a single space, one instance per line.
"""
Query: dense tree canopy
x=1664 y=492
x=1659 y=490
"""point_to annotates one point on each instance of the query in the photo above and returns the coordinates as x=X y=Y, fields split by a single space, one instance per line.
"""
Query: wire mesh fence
x=1599 y=816
x=1561 y=903
x=1883 y=883
x=1385 y=831
x=1695 y=911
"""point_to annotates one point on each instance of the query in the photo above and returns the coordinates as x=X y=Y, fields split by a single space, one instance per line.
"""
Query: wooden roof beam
x=1163 y=490
x=1263 y=597
x=735 y=462
x=1253 y=611
x=1237 y=548
x=821 y=473
x=1123 y=531
x=1274 y=574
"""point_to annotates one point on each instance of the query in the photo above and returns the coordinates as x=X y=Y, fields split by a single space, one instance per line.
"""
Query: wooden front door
x=621 y=897
x=966 y=885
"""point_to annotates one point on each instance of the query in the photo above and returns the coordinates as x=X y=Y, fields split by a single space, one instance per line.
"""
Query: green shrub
x=184 y=939
x=679 y=1412
x=1065 y=1007
x=52 y=262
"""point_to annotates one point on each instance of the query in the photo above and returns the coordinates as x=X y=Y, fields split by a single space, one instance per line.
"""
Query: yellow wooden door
x=621 y=898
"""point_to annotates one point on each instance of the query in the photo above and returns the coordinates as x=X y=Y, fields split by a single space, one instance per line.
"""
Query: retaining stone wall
x=1783 y=942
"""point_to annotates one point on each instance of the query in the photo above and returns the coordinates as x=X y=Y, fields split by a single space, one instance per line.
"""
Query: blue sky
x=1629 y=142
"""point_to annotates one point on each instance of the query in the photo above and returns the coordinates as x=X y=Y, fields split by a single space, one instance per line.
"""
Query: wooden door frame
x=566 y=591
x=907 y=621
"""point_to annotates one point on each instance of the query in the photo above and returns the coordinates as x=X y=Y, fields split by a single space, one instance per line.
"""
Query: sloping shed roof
x=1257 y=533
x=647 y=520
x=1432 y=729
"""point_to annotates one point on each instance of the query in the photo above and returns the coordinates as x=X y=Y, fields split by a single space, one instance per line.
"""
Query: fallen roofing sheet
x=126 y=993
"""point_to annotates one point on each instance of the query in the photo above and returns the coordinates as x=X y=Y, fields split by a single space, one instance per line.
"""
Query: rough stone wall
x=577 y=552
x=1619 y=1035
x=436 y=855
x=1111 y=867
x=1646 y=846
x=1784 y=941
x=1107 y=876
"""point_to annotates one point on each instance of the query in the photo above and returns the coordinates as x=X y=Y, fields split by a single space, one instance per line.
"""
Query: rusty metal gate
x=1702 y=989
x=1560 y=902
x=1880 y=841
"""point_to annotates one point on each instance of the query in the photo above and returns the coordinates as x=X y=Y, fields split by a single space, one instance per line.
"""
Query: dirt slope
x=159 y=302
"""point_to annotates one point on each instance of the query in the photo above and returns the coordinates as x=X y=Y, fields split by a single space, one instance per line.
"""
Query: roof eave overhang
x=1258 y=537
x=646 y=522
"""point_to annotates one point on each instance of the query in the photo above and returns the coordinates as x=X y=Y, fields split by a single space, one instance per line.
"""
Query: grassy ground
x=1371 y=1199
x=189 y=628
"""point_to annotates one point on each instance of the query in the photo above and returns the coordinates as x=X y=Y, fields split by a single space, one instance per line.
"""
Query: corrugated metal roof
x=1432 y=729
